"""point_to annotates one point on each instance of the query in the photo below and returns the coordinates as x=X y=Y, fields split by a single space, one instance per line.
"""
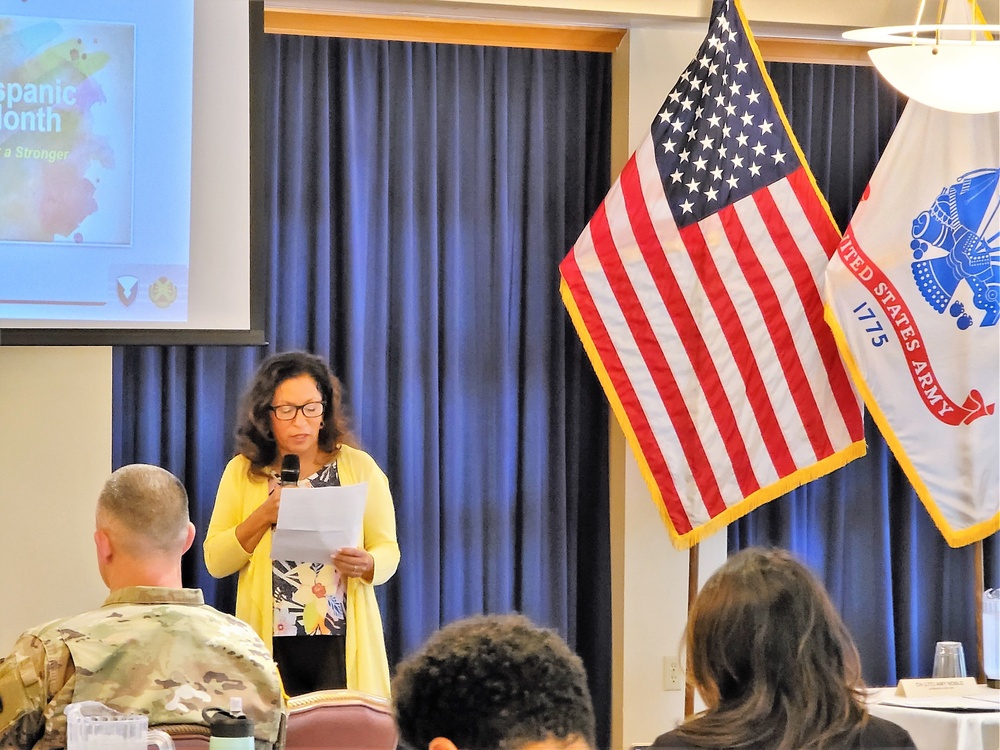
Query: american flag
x=695 y=290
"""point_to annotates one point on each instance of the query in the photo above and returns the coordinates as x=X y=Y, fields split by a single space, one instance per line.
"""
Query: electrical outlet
x=673 y=675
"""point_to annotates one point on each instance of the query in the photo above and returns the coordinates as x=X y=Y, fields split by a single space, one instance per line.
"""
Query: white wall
x=55 y=453
x=651 y=575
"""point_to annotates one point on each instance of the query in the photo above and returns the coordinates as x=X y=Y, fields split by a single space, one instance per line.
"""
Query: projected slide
x=95 y=159
x=62 y=84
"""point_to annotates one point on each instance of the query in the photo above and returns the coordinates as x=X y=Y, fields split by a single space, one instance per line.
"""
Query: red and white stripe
x=712 y=337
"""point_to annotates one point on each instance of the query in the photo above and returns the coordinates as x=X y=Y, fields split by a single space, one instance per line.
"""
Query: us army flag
x=913 y=298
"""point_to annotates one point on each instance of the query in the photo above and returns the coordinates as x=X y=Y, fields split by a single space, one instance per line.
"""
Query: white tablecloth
x=941 y=730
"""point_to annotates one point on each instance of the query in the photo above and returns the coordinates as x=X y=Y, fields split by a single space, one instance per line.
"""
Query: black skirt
x=308 y=663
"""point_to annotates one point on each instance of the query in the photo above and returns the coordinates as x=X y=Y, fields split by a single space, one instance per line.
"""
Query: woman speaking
x=321 y=620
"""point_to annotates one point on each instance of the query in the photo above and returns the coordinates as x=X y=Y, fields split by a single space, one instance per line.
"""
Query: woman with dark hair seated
x=775 y=665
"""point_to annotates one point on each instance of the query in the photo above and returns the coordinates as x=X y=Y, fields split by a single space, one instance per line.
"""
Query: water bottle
x=232 y=729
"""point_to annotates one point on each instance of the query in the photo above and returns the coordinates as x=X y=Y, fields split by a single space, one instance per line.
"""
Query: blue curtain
x=421 y=197
x=862 y=529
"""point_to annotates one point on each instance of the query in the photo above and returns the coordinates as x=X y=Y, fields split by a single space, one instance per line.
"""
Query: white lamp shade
x=958 y=78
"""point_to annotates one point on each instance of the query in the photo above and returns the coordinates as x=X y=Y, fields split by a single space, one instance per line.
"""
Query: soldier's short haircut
x=149 y=503
x=495 y=682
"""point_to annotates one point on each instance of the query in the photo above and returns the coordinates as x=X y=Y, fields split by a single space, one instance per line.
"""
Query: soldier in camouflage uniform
x=153 y=648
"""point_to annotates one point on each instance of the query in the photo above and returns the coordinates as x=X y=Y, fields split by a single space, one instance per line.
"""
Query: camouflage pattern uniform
x=157 y=651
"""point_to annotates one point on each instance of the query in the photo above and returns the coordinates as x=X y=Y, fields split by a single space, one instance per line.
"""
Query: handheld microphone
x=290 y=470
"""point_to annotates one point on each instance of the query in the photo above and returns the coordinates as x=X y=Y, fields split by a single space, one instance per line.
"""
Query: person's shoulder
x=181 y=612
x=96 y=623
x=226 y=623
x=65 y=628
x=351 y=453
x=41 y=639
x=45 y=630
x=238 y=472
x=220 y=628
x=48 y=643
x=238 y=464
x=356 y=458
x=882 y=734
x=670 y=739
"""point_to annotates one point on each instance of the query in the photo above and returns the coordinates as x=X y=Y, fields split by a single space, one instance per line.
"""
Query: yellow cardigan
x=240 y=494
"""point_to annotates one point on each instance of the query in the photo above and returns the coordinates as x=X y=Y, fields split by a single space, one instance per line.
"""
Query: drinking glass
x=949 y=659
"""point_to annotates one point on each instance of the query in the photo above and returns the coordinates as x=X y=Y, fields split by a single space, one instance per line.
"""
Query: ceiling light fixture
x=952 y=66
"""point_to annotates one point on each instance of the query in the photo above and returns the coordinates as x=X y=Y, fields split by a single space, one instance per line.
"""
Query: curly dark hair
x=495 y=682
x=254 y=438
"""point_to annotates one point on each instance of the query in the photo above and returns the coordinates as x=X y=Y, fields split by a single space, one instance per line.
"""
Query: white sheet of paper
x=314 y=522
x=973 y=697
x=947 y=703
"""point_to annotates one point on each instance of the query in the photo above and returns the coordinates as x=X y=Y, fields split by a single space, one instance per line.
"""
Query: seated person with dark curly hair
x=775 y=665
x=493 y=683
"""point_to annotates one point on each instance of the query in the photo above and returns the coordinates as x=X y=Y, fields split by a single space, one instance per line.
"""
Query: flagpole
x=692 y=593
x=980 y=584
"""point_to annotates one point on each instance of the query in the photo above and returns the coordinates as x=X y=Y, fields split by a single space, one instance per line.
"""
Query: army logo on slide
x=162 y=292
x=127 y=288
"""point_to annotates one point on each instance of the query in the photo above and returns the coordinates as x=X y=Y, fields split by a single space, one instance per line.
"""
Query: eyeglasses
x=288 y=412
